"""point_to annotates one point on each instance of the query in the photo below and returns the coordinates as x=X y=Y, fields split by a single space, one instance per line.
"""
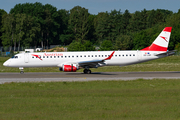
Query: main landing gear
x=87 y=71
x=21 y=70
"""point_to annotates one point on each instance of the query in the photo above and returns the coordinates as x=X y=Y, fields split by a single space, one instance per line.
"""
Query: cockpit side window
x=14 y=57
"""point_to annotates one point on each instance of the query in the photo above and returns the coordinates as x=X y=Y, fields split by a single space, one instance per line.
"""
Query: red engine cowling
x=69 y=68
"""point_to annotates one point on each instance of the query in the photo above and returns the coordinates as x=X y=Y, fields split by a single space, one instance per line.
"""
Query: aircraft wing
x=94 y=63
x=168 y=53
x=90 y=63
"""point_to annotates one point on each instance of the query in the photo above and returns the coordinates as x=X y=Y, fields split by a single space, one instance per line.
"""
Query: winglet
x=108 y=58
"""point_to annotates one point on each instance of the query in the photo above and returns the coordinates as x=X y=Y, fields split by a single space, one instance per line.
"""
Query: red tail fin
x=161 y=42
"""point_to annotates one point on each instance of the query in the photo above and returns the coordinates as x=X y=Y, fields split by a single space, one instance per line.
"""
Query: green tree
x=106 y=45
x=78 y=46
x=31 y=30
x=50 y=24
x=2 y=12
x=88 y=46
x=125 y=22
x=65 y=33
x=75 y=46
x=8 y=31
x=123 y=42
x=114 y=24
x=138 y=21
x=101 y=27
x=78 y=22
x=20 y=19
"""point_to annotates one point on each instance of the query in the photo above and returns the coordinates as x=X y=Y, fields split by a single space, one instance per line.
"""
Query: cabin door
x=26 y=57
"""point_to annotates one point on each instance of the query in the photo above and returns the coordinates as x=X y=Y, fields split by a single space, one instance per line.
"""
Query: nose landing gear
x=21 y=70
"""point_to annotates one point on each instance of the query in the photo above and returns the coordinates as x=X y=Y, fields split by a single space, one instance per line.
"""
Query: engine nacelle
x=69 y=68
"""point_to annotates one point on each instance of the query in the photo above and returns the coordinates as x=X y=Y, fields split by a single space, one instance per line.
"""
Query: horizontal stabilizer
x=169 y=53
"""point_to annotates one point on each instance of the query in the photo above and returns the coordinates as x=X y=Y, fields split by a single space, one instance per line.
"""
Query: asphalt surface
x=76 y=76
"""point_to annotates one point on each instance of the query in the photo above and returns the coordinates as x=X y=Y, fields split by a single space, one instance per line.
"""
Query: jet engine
x=69 y=68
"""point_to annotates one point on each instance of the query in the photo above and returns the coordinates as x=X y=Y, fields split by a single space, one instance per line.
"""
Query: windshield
x=15 y=57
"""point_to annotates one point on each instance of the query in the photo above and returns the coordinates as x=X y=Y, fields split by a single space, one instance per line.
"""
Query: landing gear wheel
x=21 y=70
x=87 y=71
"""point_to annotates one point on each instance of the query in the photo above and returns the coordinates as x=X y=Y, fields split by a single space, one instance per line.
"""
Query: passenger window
x=133 y=54
x=43 y=56
x=116 y=55
x=95 y=55
x=119 y=55
x=92 y=55
x=81 y=56
x=72 y=56
x=47 y=56
x=88 y=55
x=77 y=56
x=65 y=56
x=84 y=55
x=54 y=56
x=102 y=55
x=123 y=55
x=126 y=55
x=105 y=55
x=50 y=57
x=69 y=56
x=99 y=55
x=61 y=56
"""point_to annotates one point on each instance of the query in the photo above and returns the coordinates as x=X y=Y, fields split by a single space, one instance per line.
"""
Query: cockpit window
x=15 y=57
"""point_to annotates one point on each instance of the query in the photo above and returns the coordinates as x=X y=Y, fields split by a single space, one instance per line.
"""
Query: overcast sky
x=96 y=6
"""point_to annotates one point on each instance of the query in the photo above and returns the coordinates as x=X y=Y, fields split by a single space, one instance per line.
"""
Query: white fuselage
x=57 y=59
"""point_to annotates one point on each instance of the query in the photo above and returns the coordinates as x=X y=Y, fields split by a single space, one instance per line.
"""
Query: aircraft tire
x=89 y=71
x=86 y=71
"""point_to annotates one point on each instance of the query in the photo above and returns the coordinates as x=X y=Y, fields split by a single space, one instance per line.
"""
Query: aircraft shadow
x=93 y=73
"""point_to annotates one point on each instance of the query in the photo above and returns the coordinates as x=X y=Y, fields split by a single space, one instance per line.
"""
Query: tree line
x=35 y=24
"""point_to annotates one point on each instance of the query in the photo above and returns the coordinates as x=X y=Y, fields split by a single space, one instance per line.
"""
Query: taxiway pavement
x=77 y=76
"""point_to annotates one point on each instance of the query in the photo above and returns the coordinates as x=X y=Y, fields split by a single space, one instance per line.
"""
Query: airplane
x=72 y=61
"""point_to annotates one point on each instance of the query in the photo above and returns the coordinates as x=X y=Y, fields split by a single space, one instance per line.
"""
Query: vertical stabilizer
x=161 y=42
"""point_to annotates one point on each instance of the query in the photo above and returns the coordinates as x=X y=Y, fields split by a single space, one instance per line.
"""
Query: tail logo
x=164 y=38
x=37 y=56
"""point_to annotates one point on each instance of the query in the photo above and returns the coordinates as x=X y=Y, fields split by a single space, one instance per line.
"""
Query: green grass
x=171 y=63
x=98 y=100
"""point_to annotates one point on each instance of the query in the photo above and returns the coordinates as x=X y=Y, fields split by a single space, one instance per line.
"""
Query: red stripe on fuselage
x=154 y=47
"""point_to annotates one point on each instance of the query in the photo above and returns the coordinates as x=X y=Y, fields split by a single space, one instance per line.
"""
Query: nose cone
x=6 y=63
